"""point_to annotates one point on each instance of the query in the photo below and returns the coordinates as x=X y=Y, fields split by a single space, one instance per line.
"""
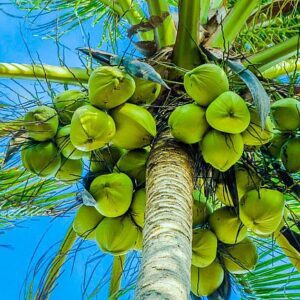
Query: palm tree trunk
x=167 y=234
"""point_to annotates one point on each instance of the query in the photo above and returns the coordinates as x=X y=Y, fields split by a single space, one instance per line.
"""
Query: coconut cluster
x=82 y=123
x=220 y=237
x=219 y=120
x=285 y=144
x=109 y=127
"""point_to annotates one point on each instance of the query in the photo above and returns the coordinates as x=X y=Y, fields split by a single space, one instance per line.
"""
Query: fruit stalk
x=116 y=276
x=58 y=261
x=167 y=235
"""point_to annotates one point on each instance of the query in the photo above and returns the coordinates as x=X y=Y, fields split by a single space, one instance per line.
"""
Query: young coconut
x=42 y=159
x=135 y=126
x=146 y=92
x=70 y=170
x=86 y=221
x=205 y=83
x=227 y=226
x=67 y=102
x=286 y=114
x=113 y=193
x=222 y=150
x=204 y=247
x=254 y=135
x=228 y=113
x=117 y=235
x=133 y=163
x=41 y=123
x=290 y=155
x=240 y=258
x=245 y=180
x=276 y=143
x=201 y=208
x=103 y=160
x=91 y=128
x=137 y=207
x=188 y=123
x=109 y=87
x=65 y=146
x=204 y=281
x=262 y=210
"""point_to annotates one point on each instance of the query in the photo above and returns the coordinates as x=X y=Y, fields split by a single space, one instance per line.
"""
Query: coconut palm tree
x=255 y=42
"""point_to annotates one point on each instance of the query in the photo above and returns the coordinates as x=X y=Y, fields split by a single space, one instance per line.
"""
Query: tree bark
x=167 y=234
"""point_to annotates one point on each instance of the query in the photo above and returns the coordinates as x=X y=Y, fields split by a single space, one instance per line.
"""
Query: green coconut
x=228 y=113
x=41 y=123
x=42 y=159
x=205 y=281
x=222 y=150
x=65 y=146
x=254 y=135
x=135 y=125
x=245 y=180
x=201 y=208
x=146 y=92
x=205 y=83
x=113 y=193
x=67 y=102
x=204 y=247
x=137 y=207
x=117 y=235
x=276 y=143
x=133 y=163
x=70 y=171
x=241 y=258
x=227 y=226
x=104 y=160
x=286 y=114
x=262 y=210
x=86 y=221
x=290 y=155
x=109 y=87
x=91 y=128
x=188 y=123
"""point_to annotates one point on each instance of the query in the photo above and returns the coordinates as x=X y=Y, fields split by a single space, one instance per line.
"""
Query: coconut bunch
x=219 y=120
x=220 y=245
x=115 y=222
x=49 y=152
x=84 y=122
x=222 y=236
x=285 y=144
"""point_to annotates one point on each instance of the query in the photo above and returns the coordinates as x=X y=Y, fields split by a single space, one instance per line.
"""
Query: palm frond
x=274 y=277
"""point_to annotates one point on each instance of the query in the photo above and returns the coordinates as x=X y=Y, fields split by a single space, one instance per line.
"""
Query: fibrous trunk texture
x=167 y=234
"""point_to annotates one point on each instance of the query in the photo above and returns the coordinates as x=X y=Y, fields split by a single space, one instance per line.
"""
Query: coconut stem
x=233 y=23
x=271 y=56
x=165 y=33
x=116 y=276
x=283 y=68
x=134 y=15
x=186 y=51
x=204 y=4
x=64 y=75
